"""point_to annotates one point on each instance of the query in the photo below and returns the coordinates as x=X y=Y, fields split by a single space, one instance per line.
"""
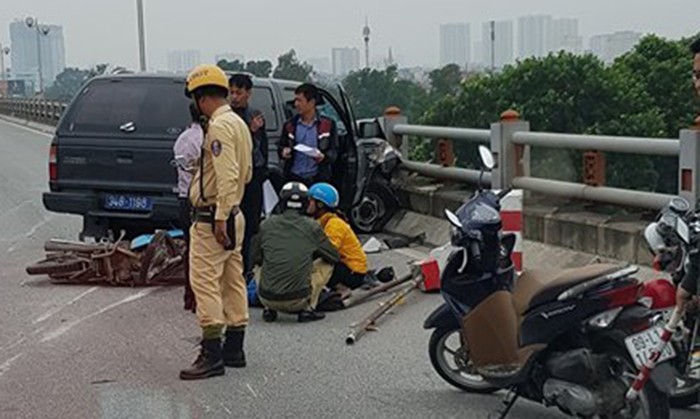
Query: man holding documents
x=308 y=145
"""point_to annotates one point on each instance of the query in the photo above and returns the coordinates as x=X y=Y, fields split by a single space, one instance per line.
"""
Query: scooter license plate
x=641 y=346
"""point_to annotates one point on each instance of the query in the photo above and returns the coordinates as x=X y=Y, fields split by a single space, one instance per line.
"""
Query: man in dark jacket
x=296 y=256
x=241 y=86
x=308 y=146
x=690 y=284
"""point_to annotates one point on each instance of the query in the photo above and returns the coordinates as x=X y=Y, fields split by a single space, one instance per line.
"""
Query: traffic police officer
x=216 y=264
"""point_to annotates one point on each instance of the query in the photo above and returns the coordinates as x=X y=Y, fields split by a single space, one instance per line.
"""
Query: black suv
x=111 y=156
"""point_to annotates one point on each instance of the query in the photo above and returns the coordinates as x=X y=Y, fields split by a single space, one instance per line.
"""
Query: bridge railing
x=39 y=110
x=511 y=141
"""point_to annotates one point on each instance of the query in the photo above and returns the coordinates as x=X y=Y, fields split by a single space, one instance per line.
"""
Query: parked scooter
x=574 y=338
x=666 y=240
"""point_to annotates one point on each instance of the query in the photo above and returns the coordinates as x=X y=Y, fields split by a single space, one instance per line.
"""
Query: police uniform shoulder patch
x=216 y=148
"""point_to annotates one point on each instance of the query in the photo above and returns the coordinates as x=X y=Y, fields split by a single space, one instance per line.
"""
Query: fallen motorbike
x=665 y=238
x=574 y=339
x=147 y=260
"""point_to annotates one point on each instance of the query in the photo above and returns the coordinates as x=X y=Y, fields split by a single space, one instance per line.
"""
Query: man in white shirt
x=188 y=149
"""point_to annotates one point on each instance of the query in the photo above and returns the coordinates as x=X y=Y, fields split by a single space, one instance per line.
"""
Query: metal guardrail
x=633 y=145
x=510 y=140
x=464 y=134
x=38 y=110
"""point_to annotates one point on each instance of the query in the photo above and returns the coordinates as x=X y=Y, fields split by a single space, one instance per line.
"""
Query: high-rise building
x=25 y=60
x=497 y=44
x=182 y=61
x=345 y=61
x=610 y=46
x=534 y=36
x=229 y=56
x=455 y=44
x=564 y=36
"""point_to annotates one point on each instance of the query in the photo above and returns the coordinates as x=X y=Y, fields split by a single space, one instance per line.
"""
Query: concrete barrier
x=571 y=227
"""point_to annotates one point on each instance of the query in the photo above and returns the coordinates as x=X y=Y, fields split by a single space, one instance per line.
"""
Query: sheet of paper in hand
x=270 y=198
x=309 y=151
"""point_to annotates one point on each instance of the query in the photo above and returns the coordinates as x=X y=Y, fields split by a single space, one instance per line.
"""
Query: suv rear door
x=119 y=133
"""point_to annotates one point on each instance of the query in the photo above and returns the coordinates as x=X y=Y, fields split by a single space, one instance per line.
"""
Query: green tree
x=69 y=82
x=446 y=80
x=661 y=66
x=259 y=68
x=371 y=91
x=289 y=68
x=561 y=93
x=231 y=65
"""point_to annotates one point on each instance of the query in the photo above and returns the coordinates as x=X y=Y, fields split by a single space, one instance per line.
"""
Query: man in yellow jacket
x=351 y=271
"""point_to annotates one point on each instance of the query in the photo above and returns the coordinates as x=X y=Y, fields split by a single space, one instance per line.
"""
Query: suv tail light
x=53 y=165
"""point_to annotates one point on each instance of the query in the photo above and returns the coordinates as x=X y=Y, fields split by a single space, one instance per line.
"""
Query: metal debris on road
x=368 y=323
x=158 y=263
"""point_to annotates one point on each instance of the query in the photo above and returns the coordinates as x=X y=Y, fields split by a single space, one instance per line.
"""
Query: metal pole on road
x=142 y=36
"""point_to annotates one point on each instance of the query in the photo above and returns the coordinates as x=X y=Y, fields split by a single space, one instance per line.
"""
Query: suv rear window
x=124 y=107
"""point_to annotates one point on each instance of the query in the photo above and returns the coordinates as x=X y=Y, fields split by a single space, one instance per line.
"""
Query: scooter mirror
x=486 y=157
x=453 y=219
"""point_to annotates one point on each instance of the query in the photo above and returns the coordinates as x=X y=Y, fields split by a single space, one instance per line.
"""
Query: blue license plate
x=128 y=203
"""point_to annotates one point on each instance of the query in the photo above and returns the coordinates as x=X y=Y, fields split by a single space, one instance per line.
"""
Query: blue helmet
x=325 y=193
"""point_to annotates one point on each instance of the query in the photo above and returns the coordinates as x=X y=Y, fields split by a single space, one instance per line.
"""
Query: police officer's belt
x=206 y=214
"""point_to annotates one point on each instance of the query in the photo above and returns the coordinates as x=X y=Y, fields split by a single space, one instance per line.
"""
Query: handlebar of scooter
x=475 y=250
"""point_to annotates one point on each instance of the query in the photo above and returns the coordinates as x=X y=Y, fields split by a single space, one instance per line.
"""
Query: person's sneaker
x=269 y=315
x=310 y=316
x=370 y=281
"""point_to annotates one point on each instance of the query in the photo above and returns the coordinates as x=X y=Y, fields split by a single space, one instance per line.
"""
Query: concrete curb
x=536 y=255
x=46 y=129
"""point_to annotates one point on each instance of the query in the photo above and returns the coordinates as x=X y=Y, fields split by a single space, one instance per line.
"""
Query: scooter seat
x=537 y=287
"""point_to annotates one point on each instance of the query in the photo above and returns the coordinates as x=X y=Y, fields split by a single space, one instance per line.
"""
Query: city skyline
x=412 y=34
x=25 y=57
x=455 y=44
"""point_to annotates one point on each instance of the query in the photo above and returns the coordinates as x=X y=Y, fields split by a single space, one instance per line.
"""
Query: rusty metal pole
x=361 y=328
x=357 y=297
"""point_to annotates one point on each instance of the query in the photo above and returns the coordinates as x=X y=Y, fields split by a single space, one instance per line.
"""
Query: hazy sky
x=105 y=30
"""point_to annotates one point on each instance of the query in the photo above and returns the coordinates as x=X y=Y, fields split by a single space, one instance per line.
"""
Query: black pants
x=343 y=275
x=252 y=209
x=184 y=223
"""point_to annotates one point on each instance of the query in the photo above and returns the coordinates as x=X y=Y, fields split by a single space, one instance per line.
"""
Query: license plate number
x=128 y=203
x=641 y=345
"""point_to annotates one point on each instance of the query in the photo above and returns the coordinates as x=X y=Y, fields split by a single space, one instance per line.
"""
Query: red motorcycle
x=671 y=239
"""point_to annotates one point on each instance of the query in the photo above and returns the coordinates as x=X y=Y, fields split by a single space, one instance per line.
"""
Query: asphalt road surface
x=101 y=352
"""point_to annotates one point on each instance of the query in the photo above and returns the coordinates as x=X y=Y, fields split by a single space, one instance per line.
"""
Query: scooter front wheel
x=450 y=358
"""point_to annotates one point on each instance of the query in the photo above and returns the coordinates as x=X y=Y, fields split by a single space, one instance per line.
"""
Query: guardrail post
x=512 y=160
x=393 y=117
x=689 y=164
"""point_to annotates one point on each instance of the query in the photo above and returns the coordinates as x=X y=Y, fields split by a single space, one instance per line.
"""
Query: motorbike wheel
x=376 y=207
x=461 y=375
x=55 y=267
x=157 y=258
x=653 y=403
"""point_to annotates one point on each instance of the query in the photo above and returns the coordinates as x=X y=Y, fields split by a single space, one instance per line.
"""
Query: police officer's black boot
x=234 y=356
x=209 y=363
